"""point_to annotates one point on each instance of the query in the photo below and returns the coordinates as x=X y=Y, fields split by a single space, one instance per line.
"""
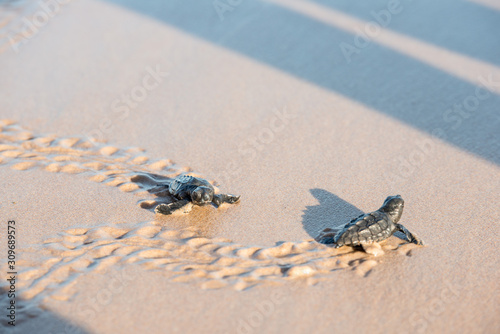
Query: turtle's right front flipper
x=168 y=209
x=224 y=198
x=411 y=237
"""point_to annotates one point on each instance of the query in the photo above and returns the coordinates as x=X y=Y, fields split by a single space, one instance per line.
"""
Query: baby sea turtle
x=370 y=228
x=188 y=191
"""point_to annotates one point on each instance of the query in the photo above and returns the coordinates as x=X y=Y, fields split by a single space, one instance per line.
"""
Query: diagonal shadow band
x=425 y=18
x=382 y=79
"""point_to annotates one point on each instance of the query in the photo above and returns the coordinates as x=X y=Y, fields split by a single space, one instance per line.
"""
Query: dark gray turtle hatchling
x=372 y=227
x=188 y=191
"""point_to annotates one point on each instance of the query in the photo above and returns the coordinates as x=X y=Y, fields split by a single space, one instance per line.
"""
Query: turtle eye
x=206 y=197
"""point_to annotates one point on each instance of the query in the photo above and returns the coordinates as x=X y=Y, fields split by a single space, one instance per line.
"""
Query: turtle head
x=202 y=196
x=393 y=207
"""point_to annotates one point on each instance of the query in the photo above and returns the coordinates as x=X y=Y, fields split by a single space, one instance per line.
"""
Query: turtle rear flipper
x=327 y=241
x=327 y=237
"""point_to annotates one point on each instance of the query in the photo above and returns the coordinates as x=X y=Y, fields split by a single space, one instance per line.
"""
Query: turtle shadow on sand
x=331 y=212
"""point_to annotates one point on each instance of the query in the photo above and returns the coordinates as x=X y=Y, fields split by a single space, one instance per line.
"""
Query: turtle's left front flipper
x=168 y=209
x=224 y=198
x=411 y=237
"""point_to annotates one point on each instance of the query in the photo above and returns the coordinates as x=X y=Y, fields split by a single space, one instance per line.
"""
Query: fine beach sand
x=278 y=116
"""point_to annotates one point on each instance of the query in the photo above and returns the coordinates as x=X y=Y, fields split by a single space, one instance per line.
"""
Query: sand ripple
x=184 y=256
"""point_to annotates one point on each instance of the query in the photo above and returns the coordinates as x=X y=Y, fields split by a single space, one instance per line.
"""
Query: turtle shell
x=182 y=186
x=367 y=228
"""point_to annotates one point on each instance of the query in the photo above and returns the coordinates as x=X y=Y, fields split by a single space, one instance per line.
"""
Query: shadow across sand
x=422 y=20
x=382 y=79
x=30 y=318
x=332 y=212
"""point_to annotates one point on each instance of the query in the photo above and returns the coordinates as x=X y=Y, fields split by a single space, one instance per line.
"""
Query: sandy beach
x=313 y=112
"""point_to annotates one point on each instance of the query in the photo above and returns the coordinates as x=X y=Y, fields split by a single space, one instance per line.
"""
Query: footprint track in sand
x=182 y=255
x=185 y=256
x=22 y=150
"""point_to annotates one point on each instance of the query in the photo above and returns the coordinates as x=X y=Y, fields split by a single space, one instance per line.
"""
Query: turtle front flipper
x=168 y=209
x=224 y=198
x=411 y=237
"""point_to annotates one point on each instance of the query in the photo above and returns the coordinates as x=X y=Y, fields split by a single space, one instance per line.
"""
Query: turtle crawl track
x=183 y=255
